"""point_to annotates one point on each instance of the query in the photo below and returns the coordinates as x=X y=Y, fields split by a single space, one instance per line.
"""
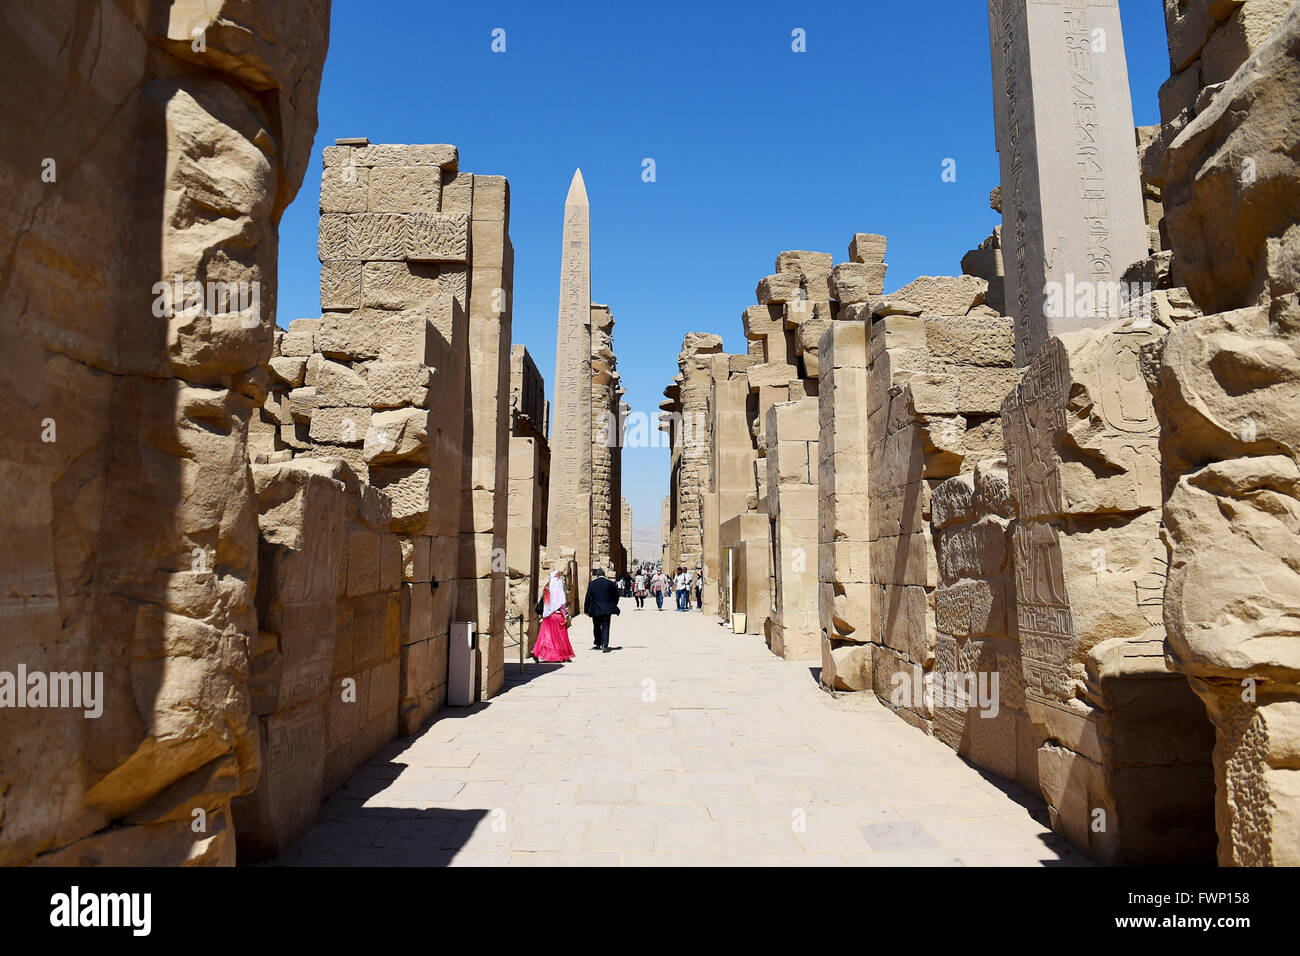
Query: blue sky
x=757 y=148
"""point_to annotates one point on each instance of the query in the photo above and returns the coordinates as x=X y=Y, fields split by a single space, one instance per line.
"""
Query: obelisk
x=1071 y=194
x=569 y=520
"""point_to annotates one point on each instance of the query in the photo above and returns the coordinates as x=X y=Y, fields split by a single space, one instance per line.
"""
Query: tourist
x=659 y=584
x=601 y=603
x=699 y=589
x=639 y=589
x=553 y=645
x=680 y=582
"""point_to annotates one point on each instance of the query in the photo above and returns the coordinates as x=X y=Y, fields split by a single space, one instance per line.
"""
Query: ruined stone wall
x=1227 y=390
x=132 y=538
x=386 y=375
x=686 y=412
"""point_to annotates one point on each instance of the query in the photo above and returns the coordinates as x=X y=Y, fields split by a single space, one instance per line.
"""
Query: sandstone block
x=373 y=236
x=437 y=237
x=405 y=189
x=867 y=248
x=857 y=282
x=945 y=295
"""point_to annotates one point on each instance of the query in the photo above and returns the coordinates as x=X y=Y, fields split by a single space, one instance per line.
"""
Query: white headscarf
x=555 y=598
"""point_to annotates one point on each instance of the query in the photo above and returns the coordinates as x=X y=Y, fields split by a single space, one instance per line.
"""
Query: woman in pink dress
x=553 y=639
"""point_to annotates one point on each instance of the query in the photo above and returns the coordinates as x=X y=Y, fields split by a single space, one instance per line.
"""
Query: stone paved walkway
x=686 y=746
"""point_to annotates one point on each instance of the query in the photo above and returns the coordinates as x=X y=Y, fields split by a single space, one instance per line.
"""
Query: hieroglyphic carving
x=1072 y=203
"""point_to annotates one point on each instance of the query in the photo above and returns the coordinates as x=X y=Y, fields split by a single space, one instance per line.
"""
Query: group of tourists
x=601 y=604
x=686 y=585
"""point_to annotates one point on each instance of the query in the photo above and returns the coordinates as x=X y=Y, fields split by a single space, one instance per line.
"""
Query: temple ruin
x=1046 y=511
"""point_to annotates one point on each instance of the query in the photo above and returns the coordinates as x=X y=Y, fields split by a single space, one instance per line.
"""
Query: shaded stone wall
x=1227 y=390
x=1124 y=755
x=132 y=542
x=977 y=678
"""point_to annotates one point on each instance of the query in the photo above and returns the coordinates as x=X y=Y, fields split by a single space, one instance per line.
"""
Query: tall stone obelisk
x=569 y=518
x=1071 y=194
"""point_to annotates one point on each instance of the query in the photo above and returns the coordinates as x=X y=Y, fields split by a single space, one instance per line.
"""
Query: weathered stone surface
x=867 y=247
x=169 y=162
x=436 y=237
x=944 y=295
x=857 y=282
x=1233 y=173
x=1081 y=442
x=404 y=189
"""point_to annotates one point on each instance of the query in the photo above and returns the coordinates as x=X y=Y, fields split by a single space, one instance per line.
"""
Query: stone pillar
x=844 y=528
x=482 y=571
x=606 y=436
x=1124 y=755
x=626 y=536
x=1227 y=390
x=1071 y=194
x=130 y=524
x=792 y=466
x=569 y=523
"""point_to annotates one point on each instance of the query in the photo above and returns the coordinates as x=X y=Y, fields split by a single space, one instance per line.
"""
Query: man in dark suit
x=600 y=604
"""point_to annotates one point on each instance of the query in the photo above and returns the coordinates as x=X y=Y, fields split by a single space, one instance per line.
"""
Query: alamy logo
x=75 y=908
x=72 y=689
x=1099 y=300
x=947 y=690
x=211 y=298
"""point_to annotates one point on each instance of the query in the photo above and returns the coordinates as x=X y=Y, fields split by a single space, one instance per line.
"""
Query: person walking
x=680 y=583
x=600 y=605
x=657 y=585
x=699 y=589
x=639 y=589
x=553 y=645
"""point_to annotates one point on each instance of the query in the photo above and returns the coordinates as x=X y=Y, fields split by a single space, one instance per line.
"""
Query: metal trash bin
x=462 y=661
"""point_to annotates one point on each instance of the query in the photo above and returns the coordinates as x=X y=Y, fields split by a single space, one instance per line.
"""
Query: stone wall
x=131 y=537
x=1227 y=390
